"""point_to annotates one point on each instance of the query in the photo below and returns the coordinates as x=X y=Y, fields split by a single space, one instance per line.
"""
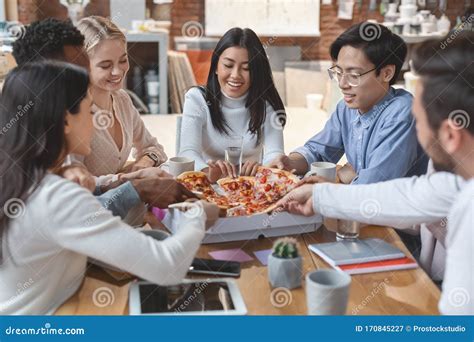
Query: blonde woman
x=118 y=126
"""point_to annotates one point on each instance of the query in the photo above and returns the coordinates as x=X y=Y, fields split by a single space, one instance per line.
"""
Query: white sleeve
x=85 y=227
x=272 y=135
x=400 y=203
x=194 y=120
x=457 y=297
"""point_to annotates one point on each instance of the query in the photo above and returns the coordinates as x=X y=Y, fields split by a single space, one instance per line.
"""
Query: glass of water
x=233 y=152
x=347 y=230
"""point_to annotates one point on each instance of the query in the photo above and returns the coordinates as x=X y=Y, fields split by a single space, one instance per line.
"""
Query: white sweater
x=458 y=285
x=201 y=142
x=46 y=249
x=406 y=202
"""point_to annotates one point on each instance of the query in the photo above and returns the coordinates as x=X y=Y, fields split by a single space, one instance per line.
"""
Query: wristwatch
x=153 y=156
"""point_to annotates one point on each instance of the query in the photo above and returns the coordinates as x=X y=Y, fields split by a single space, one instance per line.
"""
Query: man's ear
x=387 y=73
x=450 y=136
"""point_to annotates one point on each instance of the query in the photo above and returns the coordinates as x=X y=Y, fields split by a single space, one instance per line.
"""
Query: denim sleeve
x=327 y=145
x=395 y=154
x=120 y=199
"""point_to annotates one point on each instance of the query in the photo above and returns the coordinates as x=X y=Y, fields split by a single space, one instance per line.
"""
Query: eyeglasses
x=352 y=78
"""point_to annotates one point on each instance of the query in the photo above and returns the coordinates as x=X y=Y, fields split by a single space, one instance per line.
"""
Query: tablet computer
x=191 y=297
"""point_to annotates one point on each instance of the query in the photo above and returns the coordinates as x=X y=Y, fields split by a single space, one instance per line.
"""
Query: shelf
x=420 y=38
x=162 y=39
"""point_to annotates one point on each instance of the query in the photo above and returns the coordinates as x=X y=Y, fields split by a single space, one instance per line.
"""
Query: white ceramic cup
x=323 y=169
x=327 y=292
x=178 y=165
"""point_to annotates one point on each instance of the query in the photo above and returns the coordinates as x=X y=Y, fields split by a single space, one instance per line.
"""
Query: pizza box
x=251 y=227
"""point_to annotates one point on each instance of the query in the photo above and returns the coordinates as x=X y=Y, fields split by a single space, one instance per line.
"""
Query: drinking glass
x=233 y=152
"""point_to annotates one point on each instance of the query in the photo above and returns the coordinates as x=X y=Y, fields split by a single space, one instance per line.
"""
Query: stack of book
x=180 y=79
x=363 y=256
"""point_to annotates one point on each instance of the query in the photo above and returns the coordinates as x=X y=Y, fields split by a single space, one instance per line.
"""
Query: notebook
x=379 y=266
x=356 y=251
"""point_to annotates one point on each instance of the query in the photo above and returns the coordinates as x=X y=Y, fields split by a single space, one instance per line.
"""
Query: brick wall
x=183 y=11
x=312 y=48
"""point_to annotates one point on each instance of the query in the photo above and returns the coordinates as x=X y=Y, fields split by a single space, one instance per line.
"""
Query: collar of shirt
x=368 y=118
x=234 y=102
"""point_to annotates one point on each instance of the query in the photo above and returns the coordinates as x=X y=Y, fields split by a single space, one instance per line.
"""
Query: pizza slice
x=195 y=181
x=272 y=184
x=222 y=202
x=198 y=183
x=250 y=208
x=240 y=188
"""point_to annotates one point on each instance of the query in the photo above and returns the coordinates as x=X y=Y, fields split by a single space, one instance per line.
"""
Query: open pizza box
x=252 y=227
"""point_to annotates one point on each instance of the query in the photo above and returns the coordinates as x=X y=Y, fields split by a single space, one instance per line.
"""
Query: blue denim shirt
x=380 y=144
x=119 y=200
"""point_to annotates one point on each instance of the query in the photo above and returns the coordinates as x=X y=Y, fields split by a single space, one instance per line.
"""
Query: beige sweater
x=106 y=159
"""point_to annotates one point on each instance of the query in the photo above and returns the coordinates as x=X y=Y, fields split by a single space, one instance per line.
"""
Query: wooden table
x=407 y=292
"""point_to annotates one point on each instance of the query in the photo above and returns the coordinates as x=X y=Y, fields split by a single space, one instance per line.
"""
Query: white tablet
x=191 y=297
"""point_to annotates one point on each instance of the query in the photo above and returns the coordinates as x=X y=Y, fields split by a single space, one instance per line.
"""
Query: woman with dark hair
x=239 y=99
x=49 y=226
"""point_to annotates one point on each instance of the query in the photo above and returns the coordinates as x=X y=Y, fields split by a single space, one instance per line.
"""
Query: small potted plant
x=284 y=264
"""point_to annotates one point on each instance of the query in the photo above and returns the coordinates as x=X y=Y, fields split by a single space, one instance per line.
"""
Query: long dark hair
x=33 y=106
x=262 y=89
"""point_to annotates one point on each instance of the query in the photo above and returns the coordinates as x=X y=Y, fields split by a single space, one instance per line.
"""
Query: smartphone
x=215 y=267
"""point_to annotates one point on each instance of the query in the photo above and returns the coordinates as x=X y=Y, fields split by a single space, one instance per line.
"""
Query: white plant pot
x=285 y=272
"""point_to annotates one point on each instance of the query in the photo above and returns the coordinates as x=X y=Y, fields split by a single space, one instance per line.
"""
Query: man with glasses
x=372 y=125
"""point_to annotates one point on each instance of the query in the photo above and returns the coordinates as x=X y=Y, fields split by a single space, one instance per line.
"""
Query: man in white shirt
x=442 y=107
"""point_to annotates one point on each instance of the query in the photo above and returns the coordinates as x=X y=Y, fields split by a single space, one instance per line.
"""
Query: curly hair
x=46 y=39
